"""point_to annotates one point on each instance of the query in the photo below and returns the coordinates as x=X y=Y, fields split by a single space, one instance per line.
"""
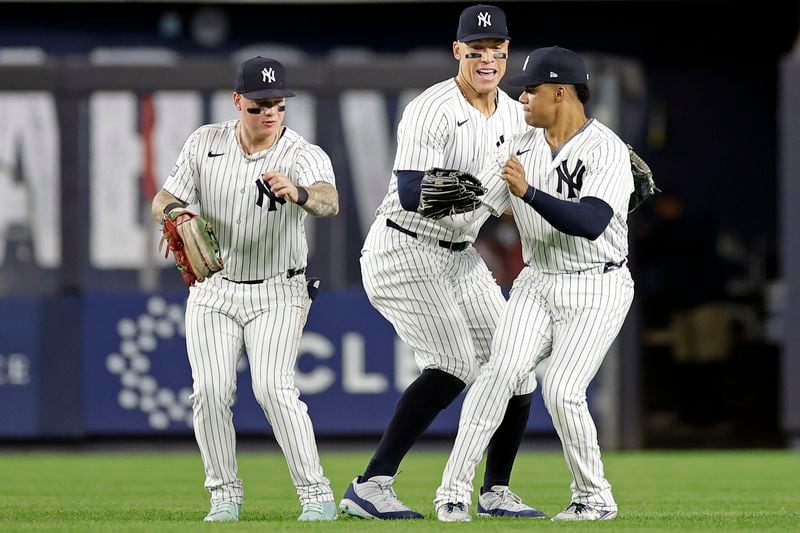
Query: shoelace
x=506 y=495
x=451 y=506
x=314 y=506
x=223 y=507
x=389 y=497
x=581 y=508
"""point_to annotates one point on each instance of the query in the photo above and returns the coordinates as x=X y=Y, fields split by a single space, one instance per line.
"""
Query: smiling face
x=482 y=63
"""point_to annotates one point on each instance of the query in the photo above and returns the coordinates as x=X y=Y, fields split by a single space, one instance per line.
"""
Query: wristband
x=302 y=196
x=529 y=194
x=170 y=207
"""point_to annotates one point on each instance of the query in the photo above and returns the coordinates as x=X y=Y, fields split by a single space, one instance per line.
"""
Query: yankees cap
x=260 y=78
x=482 y=22
x=551 y=65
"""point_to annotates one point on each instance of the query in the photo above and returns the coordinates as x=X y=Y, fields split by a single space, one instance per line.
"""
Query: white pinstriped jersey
x=439 y=128
x=593 y=162
x=259 y=235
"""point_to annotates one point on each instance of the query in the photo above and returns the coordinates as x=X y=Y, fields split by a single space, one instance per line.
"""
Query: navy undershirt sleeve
x=409 y=186
x=587 y=218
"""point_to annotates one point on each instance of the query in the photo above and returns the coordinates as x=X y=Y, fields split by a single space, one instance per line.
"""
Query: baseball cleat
x=318 y=512
x=581 y=511
x=500 y=501
x=453 y=512
x=223 y=512
x=375 y=498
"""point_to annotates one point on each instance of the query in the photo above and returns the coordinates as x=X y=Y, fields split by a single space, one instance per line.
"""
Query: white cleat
x=453 y=512
x=581 y=511
x=500 y=501
x=318 y=512
x=375 y=498
x=223 y=512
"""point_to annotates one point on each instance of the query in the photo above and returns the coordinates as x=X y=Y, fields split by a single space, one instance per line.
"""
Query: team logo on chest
x=573 y=179
x=264 y=190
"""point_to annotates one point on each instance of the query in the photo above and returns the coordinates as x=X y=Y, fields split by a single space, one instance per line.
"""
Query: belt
x=609 y=267
x=292 y=272
x=453 y=246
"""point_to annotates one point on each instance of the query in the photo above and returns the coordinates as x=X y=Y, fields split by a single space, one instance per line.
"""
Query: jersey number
x=264 y=190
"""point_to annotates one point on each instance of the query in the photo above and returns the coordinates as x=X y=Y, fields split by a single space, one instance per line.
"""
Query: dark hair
x=583 y=92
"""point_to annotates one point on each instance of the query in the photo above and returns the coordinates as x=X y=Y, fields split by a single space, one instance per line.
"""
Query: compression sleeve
x=587 y=218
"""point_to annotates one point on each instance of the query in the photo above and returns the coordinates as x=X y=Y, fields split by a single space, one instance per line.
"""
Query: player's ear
x=237 y=100
x=457 y=50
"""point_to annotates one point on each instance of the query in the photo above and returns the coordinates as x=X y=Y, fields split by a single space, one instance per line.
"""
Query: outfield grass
x=719 y=491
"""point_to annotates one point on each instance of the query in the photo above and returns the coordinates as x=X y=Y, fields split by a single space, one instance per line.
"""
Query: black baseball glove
x=448 y=192
x=643 y=185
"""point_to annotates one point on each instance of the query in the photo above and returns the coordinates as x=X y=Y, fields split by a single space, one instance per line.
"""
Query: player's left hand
x=281 y=186
x=513 y=174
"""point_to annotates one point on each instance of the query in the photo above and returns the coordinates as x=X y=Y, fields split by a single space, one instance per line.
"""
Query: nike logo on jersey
x=459 y=124
x=520 y=152
x=212 y=154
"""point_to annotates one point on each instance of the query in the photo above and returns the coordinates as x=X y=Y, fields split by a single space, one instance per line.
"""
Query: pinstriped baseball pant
x=267 y=319
x=443 y=304
x=572 y=319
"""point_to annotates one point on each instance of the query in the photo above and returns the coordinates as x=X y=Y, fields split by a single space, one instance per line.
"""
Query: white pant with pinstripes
x=267 y=320
x=572 y=319
x=443 y=304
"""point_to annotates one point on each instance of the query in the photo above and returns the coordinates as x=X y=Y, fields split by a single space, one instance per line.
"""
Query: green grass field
x=720 y=491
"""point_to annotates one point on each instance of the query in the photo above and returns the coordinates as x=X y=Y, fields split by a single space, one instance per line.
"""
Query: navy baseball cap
x=551 y=65
x=482 y=22
x=260 y=78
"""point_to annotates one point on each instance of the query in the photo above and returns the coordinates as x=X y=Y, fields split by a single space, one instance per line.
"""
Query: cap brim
x=522 y=81
x=265 y=94
x=479 y=36
x=525 y=81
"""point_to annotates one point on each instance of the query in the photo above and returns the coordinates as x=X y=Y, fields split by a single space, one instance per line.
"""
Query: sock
x=431 y=392
x=506 y=441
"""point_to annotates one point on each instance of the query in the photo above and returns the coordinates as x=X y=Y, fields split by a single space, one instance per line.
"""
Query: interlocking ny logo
x=268 y=75
x=264 y=190
x=574 y=179
x=485 y=19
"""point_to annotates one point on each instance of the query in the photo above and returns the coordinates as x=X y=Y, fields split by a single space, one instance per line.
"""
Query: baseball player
x=255 y=180
x=430 y=282
x=568 y=181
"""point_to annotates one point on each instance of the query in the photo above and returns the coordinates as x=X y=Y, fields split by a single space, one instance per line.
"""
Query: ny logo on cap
x=268 y=75
x=553 y=74
x=526 y=62
x=485 y=19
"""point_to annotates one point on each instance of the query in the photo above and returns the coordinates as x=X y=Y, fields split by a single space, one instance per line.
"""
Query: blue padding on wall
x=351 y=369
x=19 y=367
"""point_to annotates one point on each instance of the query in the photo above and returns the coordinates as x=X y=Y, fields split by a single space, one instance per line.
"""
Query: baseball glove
x=193 y=244
x=448 y=192
x=643 y=185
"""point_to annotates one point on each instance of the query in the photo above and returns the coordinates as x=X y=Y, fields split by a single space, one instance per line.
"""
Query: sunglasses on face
x=257 y=110
x=479 y=55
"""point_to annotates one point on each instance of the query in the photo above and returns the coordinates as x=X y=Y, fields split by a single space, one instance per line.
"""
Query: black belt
x=454 y=246
x=292 y=272
x=608 y=267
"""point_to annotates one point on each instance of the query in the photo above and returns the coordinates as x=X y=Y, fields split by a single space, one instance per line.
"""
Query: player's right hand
x=513 y=174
